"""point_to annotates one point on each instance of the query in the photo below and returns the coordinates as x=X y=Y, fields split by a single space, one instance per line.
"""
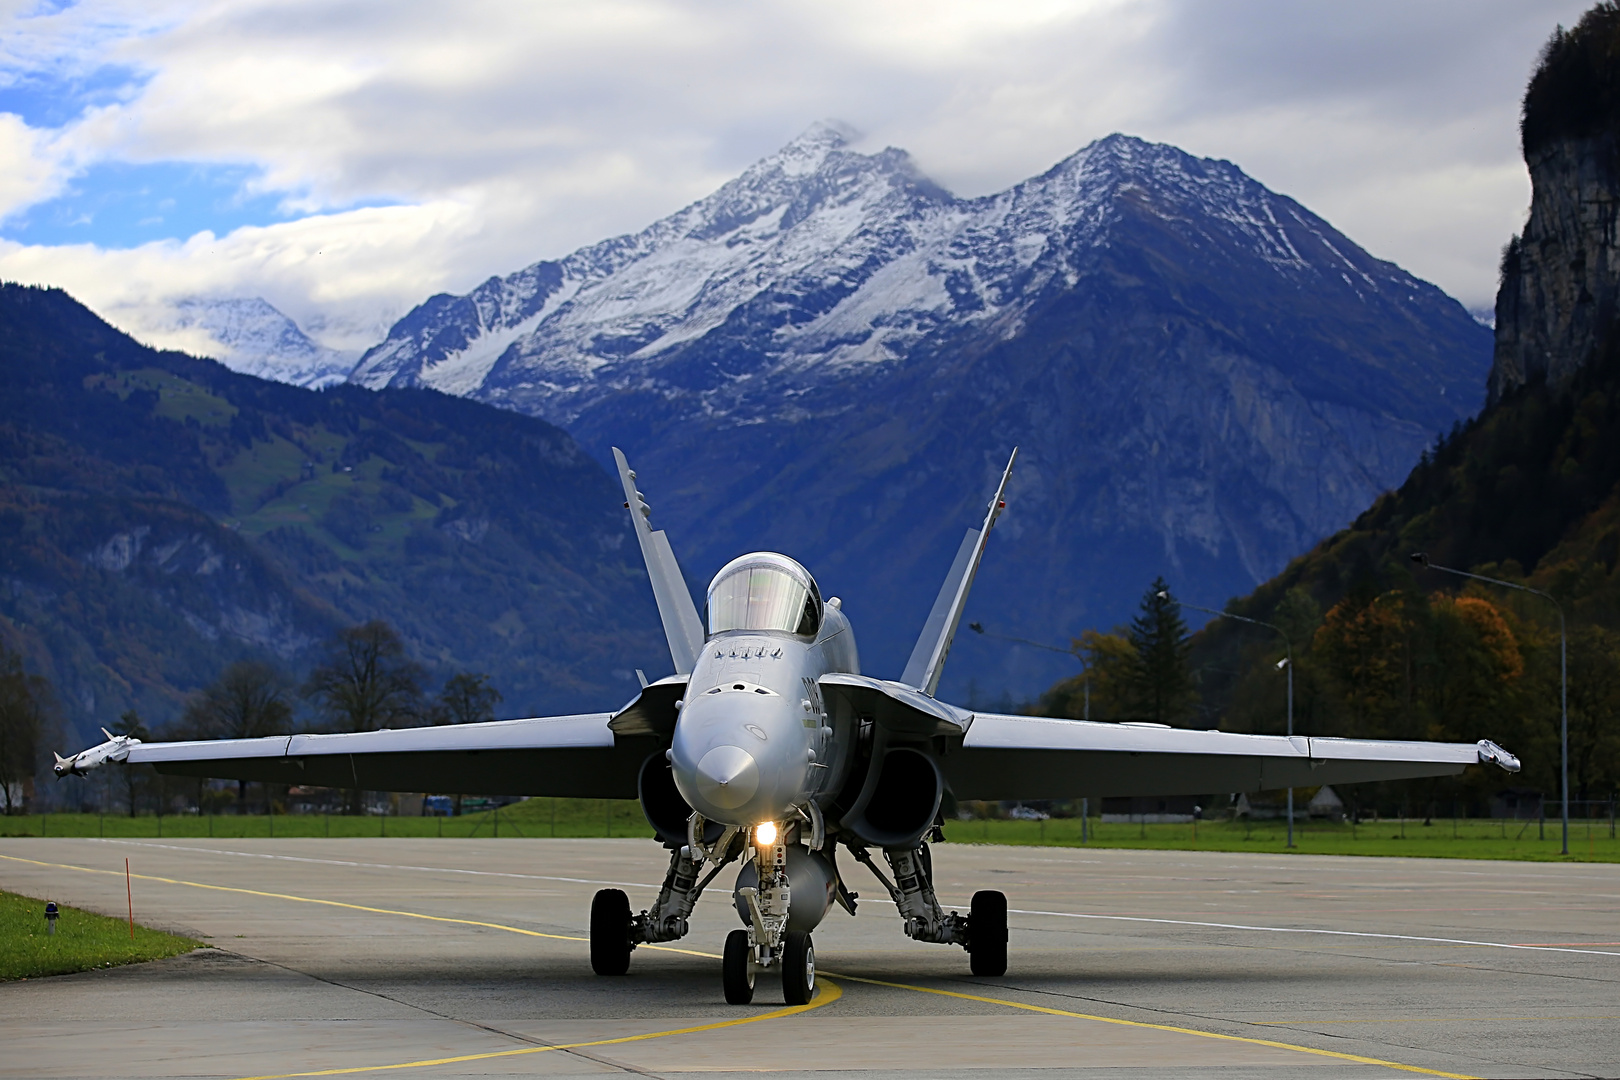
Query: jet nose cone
x=728 y=776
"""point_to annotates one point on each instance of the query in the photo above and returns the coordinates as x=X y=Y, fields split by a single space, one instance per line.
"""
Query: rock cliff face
x=1560 y=291
x=1561 y=278
x=832 y=357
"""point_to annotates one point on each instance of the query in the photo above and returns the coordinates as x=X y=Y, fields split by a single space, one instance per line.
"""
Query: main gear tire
x=987 y=933
x=737 y=968
x=610 y=932
x=798 y=968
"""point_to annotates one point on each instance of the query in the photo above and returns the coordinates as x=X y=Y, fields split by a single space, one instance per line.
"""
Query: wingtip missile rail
x=1489 y=752
x=116 y=748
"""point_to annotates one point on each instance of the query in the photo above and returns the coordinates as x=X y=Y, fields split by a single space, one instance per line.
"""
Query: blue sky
x=122 y=205
x=346 y=159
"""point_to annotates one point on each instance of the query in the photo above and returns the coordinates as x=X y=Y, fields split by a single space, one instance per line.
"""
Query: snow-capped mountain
x=254 y=338
x=832 y=355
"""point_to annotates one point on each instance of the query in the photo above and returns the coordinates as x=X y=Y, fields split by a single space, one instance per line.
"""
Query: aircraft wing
x=1029 y=757
x=561 y=755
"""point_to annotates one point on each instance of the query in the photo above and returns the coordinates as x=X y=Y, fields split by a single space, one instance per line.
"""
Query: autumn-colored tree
x=1472 y=667
x=1366 y=647
x=1101 y=691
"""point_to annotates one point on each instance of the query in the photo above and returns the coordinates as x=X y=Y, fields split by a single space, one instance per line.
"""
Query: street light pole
x=1288 y=662
x=1422 y=559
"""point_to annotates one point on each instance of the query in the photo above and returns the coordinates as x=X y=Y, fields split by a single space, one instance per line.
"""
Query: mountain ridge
x=1205 y=377
x=162 y=516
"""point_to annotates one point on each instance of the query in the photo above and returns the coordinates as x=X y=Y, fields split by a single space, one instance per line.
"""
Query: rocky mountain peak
x=249 y=335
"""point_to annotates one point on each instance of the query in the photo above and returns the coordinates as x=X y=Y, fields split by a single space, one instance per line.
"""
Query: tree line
x=363 y=680
x=1381 y=663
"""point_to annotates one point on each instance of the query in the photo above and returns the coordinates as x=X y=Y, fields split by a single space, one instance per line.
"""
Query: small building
x=1325 y=804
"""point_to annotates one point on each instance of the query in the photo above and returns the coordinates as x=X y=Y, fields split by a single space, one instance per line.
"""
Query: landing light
x=765 y=833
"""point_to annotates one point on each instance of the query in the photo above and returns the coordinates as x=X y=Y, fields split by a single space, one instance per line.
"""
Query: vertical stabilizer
x=934 y=645
x=682 y=626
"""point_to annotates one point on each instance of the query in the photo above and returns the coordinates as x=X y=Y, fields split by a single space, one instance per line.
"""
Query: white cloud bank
x=501 y=133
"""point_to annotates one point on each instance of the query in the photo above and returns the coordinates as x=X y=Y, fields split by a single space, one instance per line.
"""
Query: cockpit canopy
x=764 y=591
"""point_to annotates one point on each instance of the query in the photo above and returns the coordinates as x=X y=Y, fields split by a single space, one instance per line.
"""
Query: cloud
x=418 y=147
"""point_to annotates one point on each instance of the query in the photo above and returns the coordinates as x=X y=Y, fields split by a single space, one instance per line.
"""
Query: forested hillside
x=161 y=516
x=1529 y=492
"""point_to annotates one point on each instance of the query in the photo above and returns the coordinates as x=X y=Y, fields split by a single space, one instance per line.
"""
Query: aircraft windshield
x=761 y=598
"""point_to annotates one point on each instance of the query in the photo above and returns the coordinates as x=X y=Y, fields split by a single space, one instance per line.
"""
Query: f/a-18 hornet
x=767 y=747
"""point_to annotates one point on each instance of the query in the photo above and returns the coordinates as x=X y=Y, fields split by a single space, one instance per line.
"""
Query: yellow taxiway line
x=823 y=997
x=826 y=994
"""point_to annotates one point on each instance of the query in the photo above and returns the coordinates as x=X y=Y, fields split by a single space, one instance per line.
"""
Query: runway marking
x=1431 y=1020
x=815 y=1003
x=1314 y=930
x=374 y=865
x=351 y=907
x=305 y=900
x=1560 y=948
x=826 y=994
x=1335 y=1054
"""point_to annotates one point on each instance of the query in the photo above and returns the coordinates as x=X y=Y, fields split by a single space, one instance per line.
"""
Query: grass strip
x=83 y=940
x=1464 y=838
x=1441 y=838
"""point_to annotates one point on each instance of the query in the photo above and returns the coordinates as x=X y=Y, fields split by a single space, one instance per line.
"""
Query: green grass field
x=1468 y=838
x=82 y=941
x=532 y=818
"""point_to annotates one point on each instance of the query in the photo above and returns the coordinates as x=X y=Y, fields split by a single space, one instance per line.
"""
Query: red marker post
x=129 y=893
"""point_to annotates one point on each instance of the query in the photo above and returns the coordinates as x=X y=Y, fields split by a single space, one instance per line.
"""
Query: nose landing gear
x=797 y=958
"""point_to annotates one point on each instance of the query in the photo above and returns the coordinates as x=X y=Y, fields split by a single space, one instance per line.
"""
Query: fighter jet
x=769 y=749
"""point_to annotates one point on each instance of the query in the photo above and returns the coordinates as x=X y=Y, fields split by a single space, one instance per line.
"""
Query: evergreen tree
x=1160 y=681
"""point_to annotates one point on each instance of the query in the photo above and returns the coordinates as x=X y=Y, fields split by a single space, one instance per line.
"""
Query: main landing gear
x=766 y=942
x=982 y=932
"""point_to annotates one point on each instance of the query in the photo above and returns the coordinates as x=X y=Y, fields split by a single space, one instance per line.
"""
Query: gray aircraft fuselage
x=753 y=738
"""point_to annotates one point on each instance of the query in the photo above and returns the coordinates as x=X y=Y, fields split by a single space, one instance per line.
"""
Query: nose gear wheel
x=798 y=968
x=737 y=968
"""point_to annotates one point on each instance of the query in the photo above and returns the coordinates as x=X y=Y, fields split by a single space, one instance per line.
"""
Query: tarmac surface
x=426 y=958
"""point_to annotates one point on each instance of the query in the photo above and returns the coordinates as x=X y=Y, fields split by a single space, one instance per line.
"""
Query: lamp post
x=1286 y=662
x=978 y=628
x=1422 y=559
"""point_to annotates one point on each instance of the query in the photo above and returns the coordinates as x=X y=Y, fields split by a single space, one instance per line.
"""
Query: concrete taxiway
x=417 y=958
